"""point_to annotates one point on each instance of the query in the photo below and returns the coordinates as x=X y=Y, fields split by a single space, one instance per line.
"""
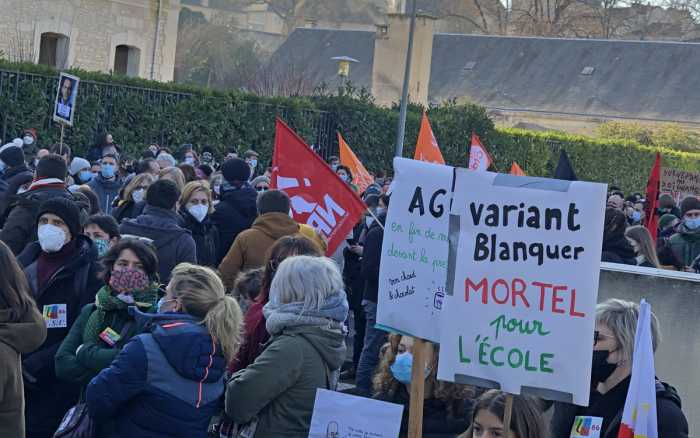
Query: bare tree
x=21 y=46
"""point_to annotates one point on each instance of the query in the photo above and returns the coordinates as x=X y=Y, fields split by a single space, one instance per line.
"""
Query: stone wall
x=94 y=29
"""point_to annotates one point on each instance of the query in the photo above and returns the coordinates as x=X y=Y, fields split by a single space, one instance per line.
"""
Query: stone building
x=132 y=37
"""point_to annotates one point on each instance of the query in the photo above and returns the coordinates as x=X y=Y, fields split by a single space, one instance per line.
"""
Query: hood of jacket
x=329 y=343
x=243 y=198
x=158 y=224
x=186 y=344
x=668 y=392
x=23 y=336
x=276 y=225
x=21 y=171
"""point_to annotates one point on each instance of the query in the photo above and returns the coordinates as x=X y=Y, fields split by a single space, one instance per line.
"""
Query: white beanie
x=77 y=165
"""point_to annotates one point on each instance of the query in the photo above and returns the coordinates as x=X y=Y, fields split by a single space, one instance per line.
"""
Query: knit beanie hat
x=77 y=165
x=162 y=193
x=666 y=201
x=64 y=208
x=12 y=153
x=235 y=170
x=689 y=203
x=666 y=220
x=51 y=166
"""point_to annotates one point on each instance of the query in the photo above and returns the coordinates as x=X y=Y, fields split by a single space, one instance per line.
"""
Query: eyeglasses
x=598 y=336
x=262 y=188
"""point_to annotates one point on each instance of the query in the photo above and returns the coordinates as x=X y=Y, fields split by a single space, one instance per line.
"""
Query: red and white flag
x=319 y=198
x=479 y=158
x=639 y=416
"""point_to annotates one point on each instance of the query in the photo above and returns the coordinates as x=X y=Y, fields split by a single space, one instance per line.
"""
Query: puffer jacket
x=235 y=213
x=165 y=383
x=685 y=244
x=174 y=244
x=279 y=388
x=16 y=337
x=250 y=247
x=106 y=191
x=205 y=235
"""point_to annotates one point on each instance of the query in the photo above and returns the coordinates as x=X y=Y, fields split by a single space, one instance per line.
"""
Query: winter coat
x=249 y=250
x=206 y=238
x=165 y=383
x=16 y=338
x=174 y=244
x=20 y=225
x=280 y=386
x=371 y=255
x=14 y=178
x=234 y=213
x=72 y=287
x=685 y=244
x=616 y=249
x=128 y=210
x=106 y=191
x=352 y=271
x=670 y=419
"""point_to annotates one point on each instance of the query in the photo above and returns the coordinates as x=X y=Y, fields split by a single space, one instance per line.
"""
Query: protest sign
x=413 y=267
x=522 y=281
x=338 y=415
x=64 y=104
x=679 y=183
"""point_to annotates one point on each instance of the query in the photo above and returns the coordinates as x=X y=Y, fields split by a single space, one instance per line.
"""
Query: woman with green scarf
x=104 y=327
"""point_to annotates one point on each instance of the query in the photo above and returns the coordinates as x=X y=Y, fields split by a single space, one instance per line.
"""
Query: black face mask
x=601 y=369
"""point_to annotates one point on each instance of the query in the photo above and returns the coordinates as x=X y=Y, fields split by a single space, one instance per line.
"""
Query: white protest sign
x=679 y=183
x=519 y=314
x=338 y=415
x=413 y=267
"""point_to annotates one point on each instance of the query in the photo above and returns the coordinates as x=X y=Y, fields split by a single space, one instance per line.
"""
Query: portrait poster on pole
x=66 y=97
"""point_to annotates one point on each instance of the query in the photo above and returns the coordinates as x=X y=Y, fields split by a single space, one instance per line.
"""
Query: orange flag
x=427 y=148
x=516 y=170
x=361 y=178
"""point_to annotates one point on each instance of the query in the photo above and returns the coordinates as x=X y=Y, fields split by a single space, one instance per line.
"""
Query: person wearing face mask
x=195 y=208
x=250 y=247
x=685 y=244
x=62 y=272
x=251 y=158
x=526 y=421
x=345 y=174
x=14 y=172
x=20 y=214
x=642 y=244
x=108 y=183
x=105 y=326
x=261 y=184
x=80 y=170
x=446 y=406
x=103 y=230
x=334 y=162
x=133 y=198
x=613 y=348
x=667 y=205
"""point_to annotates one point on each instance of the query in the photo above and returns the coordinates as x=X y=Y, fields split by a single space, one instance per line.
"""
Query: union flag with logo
x=319 y=198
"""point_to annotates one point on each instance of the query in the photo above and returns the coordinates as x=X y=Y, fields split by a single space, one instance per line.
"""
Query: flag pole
x=375 y=218
x=398 y=151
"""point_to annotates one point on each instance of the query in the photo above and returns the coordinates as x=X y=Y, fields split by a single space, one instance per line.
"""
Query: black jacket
x=670 y=419
x=71 y=287
x=235 y=213
x=206 y=238
x=371 y=256
x=616 y=249
x=128 y=210
x=352 y=271
x=14 y=177
x=20 y=225
x=174 y=244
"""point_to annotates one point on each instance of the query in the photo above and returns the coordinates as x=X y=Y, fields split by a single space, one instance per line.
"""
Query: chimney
x=390 y=59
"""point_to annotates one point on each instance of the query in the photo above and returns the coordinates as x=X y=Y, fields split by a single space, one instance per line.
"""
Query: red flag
x=652 y=220
x=319 y=198
x=362 y=178
x=427 y=148
x=479 y=158
x=516 y=170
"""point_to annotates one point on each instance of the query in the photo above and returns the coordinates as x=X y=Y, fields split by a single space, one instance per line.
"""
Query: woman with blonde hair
x=175 y=175
x=168 y=381
x=133 y=197
x=195 y=207
x=642 y=244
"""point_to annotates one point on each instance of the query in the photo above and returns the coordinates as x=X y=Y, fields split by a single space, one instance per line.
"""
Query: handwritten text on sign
x=679 y=183
x=525 y=259
x=413 y=267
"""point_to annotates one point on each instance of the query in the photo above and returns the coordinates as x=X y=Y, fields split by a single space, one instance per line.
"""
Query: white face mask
x=198 y=211
x=137 y=195
x=189 y=160
x=51 y=238
x=28 y=140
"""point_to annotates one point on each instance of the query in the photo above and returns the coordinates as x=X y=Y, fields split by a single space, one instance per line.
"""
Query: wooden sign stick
x=421 y=351
x=507 y=414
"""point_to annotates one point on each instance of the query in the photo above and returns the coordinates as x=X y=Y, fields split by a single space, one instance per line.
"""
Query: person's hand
x=356 y=249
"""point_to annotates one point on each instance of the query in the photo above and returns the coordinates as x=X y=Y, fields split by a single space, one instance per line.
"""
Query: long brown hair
x=15 y=294
x=526 y=421
x=647 y=248
x=286 y=246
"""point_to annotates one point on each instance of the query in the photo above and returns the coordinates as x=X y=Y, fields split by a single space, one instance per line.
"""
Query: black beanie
x=12 y=155
x=235 y=170
x=162 y=193
x=64 y=208
x=689 y=203
x=52 y=166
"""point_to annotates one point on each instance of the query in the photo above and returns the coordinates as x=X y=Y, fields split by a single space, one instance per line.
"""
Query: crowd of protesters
x=172 y=295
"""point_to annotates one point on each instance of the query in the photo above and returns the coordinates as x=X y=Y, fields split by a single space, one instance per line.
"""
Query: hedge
x=138 y=112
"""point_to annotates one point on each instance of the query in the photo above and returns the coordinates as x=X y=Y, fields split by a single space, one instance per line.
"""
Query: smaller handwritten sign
x=413 y=270
x=338 y=415
x=679 y=183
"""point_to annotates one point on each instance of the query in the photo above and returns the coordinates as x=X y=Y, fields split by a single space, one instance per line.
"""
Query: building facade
x=133 y=37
